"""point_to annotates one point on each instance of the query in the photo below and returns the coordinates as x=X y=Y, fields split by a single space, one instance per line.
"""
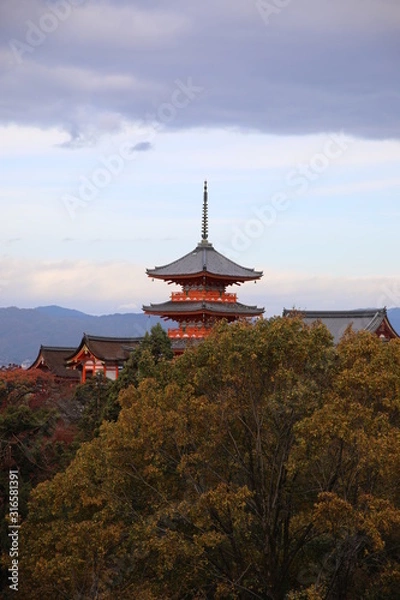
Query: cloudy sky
x=113 y=112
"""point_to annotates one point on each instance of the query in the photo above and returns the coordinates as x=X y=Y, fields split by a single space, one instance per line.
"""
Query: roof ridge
x=351 y=312
x=59 y=348
x=108 y=338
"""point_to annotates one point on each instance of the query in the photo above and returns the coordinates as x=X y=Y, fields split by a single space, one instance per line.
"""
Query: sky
x=114 y=112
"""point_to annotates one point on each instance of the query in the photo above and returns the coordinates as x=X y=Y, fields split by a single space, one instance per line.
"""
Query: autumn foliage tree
x=96 y=400
x=34 y=437
x=263 y=464
x=154 y=348
x=349 y=448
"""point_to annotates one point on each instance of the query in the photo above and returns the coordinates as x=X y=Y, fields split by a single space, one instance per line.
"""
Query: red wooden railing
x=188 y=332
x=207 y=295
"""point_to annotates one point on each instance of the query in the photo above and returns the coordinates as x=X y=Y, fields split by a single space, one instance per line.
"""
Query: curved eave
x=84 y=351
x=200 y=275
x=52 y=358
x=380 y=321
x=37 y=360
x=44 y=350
x=387 y=327
x=105 y=349
x=80 y=352
x=390 y=326
x=204 y=260
x=171 y=310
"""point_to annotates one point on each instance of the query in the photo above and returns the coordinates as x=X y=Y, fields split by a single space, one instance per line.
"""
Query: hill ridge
x=23 y=330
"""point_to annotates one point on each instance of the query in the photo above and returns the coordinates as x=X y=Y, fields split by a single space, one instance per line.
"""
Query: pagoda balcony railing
x=201 y=295
x=188 y=332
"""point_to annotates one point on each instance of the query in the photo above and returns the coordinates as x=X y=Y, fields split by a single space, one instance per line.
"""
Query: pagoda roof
x=172 y=308
x=53 y=359
x=204 y=260
x=374 y=320
x=108 y=349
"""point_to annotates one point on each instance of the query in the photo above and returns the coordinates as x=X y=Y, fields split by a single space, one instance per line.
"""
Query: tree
x=92 y=398
x=263 y=464
x=35 y=439
x=97 y=398
x=155 y=348
x=350 y=451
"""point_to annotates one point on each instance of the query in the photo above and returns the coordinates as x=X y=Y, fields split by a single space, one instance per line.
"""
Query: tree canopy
x=263 y=464
x=35 y=437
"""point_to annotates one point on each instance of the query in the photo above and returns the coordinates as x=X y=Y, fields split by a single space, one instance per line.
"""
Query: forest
x=262 y=464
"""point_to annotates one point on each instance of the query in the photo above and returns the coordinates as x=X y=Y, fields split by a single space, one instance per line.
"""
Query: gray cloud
x=142 y=147
x=312 y=66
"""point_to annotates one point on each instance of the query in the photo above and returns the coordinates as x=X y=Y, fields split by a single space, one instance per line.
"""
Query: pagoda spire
x=204 y=233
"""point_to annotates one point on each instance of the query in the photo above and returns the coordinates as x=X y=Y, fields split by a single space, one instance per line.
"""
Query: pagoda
x=203 y=274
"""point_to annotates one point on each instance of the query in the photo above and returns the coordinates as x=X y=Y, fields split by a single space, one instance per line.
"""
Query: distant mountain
x=23 y=330
x=394 y=318
x=59 y=311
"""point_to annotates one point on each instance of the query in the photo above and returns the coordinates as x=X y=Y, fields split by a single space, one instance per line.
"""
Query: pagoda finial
x=204 y=235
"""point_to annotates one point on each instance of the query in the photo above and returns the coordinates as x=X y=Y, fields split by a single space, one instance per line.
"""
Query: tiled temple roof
x=337 y=321
x=52 y=358
x=106 y=348
x=204 y=260
x=200 y=307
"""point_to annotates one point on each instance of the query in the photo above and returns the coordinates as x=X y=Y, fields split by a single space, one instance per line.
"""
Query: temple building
x=105 y=355
x=374 y=320
x=203 y=274
x=51 y=359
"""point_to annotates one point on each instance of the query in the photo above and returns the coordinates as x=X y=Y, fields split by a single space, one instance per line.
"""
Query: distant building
x=103 y=355
x=374 y=320
x=203 y=274
x=51 y=359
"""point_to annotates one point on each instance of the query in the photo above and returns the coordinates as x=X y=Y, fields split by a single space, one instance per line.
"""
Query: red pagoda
x=203 y=274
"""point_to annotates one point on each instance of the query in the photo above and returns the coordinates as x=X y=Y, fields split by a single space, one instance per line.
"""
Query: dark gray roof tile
x=337 y=321
x=107 y=348
x=204 y=259
x=221 y=308
x=53 y=358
